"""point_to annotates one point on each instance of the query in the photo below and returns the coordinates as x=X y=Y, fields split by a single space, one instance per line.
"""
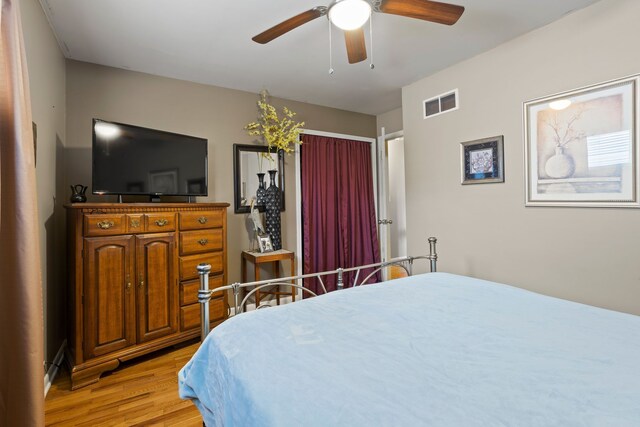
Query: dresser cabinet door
x=157 y=287
x=109 y=298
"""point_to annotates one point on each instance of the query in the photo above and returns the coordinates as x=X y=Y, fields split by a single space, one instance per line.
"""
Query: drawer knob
x=203 y=220
x=135 y=223
x=203 y=242
x=105 y=225
x=162 y=222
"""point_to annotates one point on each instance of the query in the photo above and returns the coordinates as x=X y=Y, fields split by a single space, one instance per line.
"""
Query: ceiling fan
x=351 y=15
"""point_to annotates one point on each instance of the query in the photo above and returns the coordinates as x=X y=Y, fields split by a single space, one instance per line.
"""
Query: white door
x=391 y=199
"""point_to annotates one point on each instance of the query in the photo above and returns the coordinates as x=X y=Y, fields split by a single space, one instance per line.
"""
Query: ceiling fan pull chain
x=330 y=59
x=371 y=38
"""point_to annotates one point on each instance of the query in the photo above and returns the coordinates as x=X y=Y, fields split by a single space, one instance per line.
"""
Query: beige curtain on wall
x=21 y=324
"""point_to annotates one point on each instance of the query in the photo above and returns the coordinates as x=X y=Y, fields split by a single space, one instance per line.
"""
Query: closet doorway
x=336 y=212
x=392 y=200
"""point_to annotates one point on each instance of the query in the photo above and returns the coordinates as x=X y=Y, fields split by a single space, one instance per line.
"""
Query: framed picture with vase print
x=581 y=146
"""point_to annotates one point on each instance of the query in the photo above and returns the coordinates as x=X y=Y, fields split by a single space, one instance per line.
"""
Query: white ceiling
x=209 y=42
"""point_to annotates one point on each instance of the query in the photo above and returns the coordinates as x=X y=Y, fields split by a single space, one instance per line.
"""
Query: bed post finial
x=340 y=284
x=236 y=294
x=204 y=295
x=433 y=256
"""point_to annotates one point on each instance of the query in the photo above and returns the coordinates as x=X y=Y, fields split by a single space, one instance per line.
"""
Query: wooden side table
x=273 y=258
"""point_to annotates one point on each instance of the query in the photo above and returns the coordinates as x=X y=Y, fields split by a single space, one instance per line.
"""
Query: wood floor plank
x=141 y=392
x=165 y=419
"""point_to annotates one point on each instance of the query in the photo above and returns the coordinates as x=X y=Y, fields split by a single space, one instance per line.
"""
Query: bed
x=434 y=349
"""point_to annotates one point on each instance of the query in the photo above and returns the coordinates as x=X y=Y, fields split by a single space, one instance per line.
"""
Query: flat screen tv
x=132 y=160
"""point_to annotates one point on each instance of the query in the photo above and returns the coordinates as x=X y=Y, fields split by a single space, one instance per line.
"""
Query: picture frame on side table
x=482 y=160
x=264 y=241
x=581 y=147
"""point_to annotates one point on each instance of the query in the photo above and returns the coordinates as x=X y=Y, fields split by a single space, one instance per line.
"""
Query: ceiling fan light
x=350 y=14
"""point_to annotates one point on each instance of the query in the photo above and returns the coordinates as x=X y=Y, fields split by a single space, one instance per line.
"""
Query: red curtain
x=338 y=210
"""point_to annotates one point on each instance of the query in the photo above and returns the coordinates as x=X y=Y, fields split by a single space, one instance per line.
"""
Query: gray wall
x=215 y=113
x=588 y=255
x=46 y=67
x=391 y=121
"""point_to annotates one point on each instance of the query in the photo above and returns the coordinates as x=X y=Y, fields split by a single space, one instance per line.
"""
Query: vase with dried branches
x=561 y=165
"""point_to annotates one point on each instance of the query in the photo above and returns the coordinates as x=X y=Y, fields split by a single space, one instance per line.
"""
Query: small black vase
x=272 y=207
x=261 y=192
x=78 y=193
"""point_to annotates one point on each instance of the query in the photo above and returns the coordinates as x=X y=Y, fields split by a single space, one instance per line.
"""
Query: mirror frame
x=237 y=150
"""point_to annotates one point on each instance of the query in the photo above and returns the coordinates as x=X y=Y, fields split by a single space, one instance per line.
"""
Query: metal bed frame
x=204 y=293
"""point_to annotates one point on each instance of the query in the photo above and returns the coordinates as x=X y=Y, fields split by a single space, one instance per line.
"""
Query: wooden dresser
x=133 y=284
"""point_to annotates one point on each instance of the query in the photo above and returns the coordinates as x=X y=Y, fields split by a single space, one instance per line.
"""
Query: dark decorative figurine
x=272 y=207
x=261 y=192
x=78 y=195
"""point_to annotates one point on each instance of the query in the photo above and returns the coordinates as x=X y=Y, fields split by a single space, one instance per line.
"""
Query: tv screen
x=132 y=160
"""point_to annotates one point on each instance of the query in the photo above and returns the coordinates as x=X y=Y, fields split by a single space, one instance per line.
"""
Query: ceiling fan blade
x=289 y=24
x=442 y=13
x=356 y=49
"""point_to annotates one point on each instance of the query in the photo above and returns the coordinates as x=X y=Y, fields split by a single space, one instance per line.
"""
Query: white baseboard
x=252 y=306
x=53 y=369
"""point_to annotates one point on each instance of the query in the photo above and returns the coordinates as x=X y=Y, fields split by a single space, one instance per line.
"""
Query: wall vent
x=441 y=104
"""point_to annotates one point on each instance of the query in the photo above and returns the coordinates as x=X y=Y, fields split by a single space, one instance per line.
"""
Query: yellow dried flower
x=278 y=133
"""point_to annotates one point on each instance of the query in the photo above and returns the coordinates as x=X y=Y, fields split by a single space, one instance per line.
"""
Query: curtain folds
x=339 y=219
x=21 y=320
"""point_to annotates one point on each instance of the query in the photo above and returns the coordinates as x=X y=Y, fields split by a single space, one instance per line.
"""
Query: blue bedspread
x=429 y=350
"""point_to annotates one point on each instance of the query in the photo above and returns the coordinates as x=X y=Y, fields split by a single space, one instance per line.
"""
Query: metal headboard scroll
x=204 y=293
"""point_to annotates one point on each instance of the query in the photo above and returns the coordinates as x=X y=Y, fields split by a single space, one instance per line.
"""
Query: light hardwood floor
x=141 y=392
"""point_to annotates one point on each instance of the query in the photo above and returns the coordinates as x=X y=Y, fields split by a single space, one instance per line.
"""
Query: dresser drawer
x=198 y=241
x=201 y=219
x=188 y=264
x=189 y=290
x=159 y=222
x=104 y=224
x=190 y=315
x=135 y=223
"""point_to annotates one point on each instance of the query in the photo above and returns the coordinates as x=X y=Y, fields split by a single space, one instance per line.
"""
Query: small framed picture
x=482 y=160
x=265 y=243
